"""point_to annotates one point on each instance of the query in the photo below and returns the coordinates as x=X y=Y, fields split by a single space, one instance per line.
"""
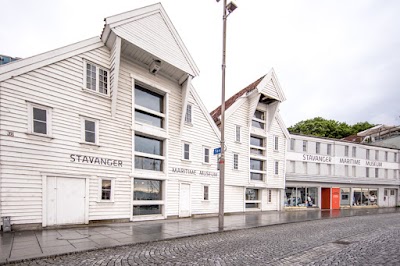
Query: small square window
x=188 y=115
x=186 y=151
x=206 y=193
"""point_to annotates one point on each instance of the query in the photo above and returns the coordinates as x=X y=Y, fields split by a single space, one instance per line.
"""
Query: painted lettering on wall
x=194 y=172
x=373 y=163
x=317 y=158
x=75 y=158
x=349 y=161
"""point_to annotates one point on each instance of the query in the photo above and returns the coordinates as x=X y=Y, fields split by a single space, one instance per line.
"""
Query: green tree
x=322 y=127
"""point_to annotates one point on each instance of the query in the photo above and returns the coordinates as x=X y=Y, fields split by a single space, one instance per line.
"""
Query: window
x=269 y=195
x=386 y=173
x=305 y=167
x=346 y=170
x=292 y=166
x=276 y=143
x=149 y=107
x=256 y=176
x=329 y=149
x=255 y=141
x=252 y=198
x=39 y=119
x=367 y=171
x=186 y=151
x=144 y=192
x=377 y=155
x=386 y=156
x=90 y=130
x=205 y=193
x=206 y=155
x=318 y=148
x=376 y=172
x=367 y=154
x=236 y=161
x=395 y=157
x=97 y=78
x=354 y=152
x=256 y=165
x=305 y=144
x=353 y=171
x=148 y=152
x=106 y=189
x=276 y=168
x=346 y=151
x=318 y=165
x=292 y=144
x=188 y=115
x=258 y=119
x=237 y=133
x=329 y=166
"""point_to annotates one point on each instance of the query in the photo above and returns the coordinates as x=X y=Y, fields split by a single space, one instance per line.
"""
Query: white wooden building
x=331 y=174
x=109 y=128
x=256 y=139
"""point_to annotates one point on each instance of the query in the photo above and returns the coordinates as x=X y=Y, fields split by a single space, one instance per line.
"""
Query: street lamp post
x=227 y=9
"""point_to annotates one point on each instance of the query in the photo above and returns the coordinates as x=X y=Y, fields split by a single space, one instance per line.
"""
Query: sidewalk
x=17 y=246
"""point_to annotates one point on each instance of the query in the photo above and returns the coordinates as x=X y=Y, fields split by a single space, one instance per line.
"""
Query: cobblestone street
x=360 y=240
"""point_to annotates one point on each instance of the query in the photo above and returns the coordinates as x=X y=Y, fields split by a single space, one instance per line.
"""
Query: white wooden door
x=392 y=198
x=184 y=200
x=65 y=200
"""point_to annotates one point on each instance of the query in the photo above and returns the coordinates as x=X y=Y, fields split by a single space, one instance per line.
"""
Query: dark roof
x=217 y=112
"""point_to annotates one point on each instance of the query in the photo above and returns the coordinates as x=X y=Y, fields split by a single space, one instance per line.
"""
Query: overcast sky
x=337 y=59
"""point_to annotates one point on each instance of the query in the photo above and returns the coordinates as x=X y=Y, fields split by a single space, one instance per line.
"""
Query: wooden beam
x=116 y=76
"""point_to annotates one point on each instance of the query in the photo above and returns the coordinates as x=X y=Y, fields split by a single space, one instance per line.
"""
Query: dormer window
x=96 y=78
x=258 y=119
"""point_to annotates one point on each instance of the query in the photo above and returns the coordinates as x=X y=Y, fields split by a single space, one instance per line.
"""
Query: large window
x=144 y=192
x=149 y=107
x=344 y=196
x=256 y=165
x=256 y=141
x=365 y=196
x=148 y=154
x=97 y=78
x=252 y=198
x=258 y=119
x=301 y=197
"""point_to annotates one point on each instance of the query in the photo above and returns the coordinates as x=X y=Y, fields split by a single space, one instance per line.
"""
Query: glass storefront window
x=147 y=190
x=373 y=196
x=251 y=194
x=312 y=197
x=357 y=198
x=146 y=209
x=301 y=197
x=344 y=196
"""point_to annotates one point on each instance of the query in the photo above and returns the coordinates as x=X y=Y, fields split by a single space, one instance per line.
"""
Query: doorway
x=184 y=200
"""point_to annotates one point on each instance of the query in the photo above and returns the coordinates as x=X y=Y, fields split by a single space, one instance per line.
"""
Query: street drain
x=342 y=242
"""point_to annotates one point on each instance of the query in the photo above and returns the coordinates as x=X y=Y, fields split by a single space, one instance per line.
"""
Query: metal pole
x=222 y=160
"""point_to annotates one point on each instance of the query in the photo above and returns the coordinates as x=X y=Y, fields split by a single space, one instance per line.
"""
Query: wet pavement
x=16 y=246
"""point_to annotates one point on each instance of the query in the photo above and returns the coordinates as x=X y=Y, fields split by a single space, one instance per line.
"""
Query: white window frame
x=354 y=152
x=318 y=166
x=208 y=194
x=329 y=169
x=346 y=170
x=376 y=172
x=367 y=172
x=305 y=167
x=386 y=173
x=99 y=199
x=367 y=154
x=269 y=199
x=346 y=151
x=376 y=155
x=305 y=145
x=262 y=121
x=96 y=121
x=238 y=133
x=183 y=150
x=189 y=119
x=276 y=143
x=204 y=155
x=353 y=171
x=318 y=147
x=292 y=166
x=49 y=115
x=276 y=168
x=329 y=149
x=386 y=156
x=292 y=144
x=235 y=161
x=97 y=91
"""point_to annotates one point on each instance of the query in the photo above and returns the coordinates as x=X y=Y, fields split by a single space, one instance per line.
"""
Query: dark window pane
x=148 y=119
x=90 y=137
x=186 y=151
x=39 y=127
x=90 y=126
x=148 y=163
x=256 y=141
x=39 y=114
x=147 y=210
x=148 y=99
x=148 y=145
x=256 y=165
x=259 y=115
x=256 y=176
x=251 y=205
x=257 y=124
x=256 y=151
x=251 y=194
x=145 y=189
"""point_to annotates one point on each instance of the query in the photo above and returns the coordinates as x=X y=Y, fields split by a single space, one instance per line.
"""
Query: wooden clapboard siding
x=25 y=158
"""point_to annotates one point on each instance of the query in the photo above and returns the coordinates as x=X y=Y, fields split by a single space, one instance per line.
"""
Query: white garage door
x=65 y=200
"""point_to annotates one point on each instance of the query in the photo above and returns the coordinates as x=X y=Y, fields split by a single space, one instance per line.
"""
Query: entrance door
x=335 y=198
x=184 y=200
x=390 y=197
x=325 y=198
x=66 y=200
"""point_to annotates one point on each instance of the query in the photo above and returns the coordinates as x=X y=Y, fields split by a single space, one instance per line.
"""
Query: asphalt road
x=360 y=240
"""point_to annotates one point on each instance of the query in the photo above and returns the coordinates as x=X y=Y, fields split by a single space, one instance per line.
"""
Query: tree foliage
x=321 y=127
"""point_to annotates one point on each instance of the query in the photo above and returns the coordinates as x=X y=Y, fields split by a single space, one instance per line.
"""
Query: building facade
x=109 y=128
x=332 y=174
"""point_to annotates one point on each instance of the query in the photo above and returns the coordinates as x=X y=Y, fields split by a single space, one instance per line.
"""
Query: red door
x=335 y=198
x=325 y=198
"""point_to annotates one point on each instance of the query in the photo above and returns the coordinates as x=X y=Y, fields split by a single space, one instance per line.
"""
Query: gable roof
x=150 y=29
x=228 y=103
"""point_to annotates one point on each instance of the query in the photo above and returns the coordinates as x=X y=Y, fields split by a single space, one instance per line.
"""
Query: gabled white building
x=256 y=140
x=109 y=128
